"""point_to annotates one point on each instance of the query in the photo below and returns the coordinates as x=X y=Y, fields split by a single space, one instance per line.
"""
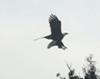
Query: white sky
x=22 y=21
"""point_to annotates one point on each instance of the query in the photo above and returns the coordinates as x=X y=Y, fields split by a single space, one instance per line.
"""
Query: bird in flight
x=56 y=35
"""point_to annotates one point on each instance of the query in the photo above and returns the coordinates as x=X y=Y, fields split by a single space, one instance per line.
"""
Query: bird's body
x=56 y=35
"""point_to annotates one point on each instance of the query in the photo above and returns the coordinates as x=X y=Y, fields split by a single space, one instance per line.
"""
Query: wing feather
x=55 y=25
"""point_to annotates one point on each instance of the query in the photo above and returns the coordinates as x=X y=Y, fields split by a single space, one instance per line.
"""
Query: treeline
x=89 y=71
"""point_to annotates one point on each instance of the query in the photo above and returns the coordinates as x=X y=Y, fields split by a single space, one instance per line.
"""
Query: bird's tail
x=38 y=38
x=47 y=37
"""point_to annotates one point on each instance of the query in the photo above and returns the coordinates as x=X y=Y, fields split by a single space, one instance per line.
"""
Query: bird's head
x=64 y=34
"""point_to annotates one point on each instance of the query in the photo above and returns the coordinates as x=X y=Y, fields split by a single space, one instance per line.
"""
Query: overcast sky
x=22 y=21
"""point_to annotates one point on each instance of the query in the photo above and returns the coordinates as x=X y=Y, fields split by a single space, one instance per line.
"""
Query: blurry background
x=22 y=21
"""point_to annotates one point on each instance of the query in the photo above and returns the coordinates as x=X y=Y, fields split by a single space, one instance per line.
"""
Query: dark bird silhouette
x=56 y=35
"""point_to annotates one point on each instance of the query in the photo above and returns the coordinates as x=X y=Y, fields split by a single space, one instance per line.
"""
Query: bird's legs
x=61 y=45
x=64 y=47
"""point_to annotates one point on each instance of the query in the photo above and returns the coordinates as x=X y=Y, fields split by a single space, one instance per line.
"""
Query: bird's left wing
x=55 y=25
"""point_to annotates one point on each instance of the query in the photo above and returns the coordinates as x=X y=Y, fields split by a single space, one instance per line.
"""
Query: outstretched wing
x=55 y=25
x=51 y=44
